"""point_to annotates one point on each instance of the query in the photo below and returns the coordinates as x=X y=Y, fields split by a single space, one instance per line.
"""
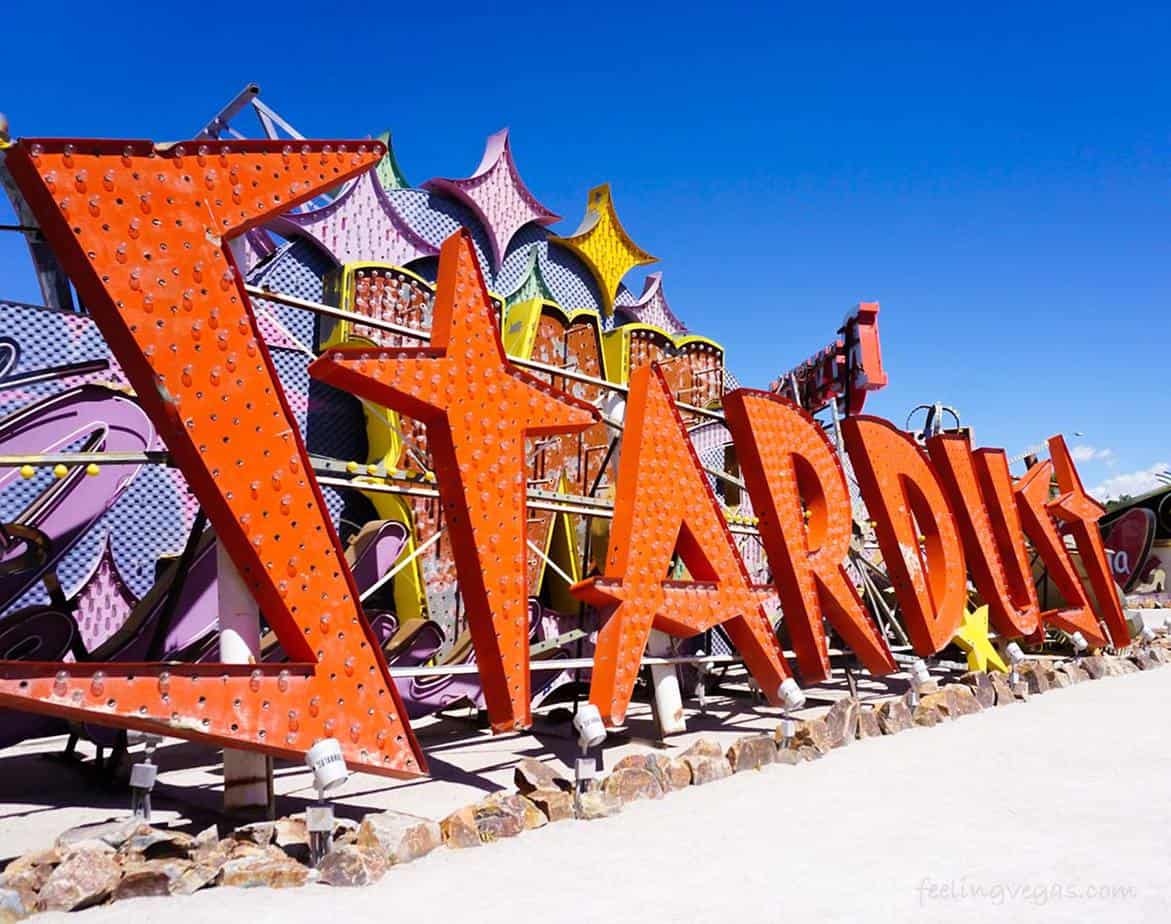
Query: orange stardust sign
x=141 y=232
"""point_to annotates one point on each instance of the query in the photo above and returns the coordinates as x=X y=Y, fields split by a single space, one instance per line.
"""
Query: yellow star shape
x=973 y=638
x=604 y=246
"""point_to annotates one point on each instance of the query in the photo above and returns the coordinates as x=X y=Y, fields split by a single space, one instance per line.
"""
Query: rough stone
x=531 y=774
x=671 y=772
x=706 y=761
x=599 y=804
x=841 y=722
x=351 y=865
x=752 y=753
x=981 y=686
x=400 y=837
x=1039 y=676
x=271 y=869
x=813 y=733
x=84 y=878
x=260 y=833
x=459 y=828
x=114 y=833
x=13 y=906
x=927 y=715
x=962 y=700
x=631 y=784
x=499 y=815
x=141 y=884
x=1096 y=666
x=28 y=873
x=534 y=817
x=1002 y=685
x=894 y=716
x=555 y=804
x=149 y=843
x=198 y=876
x=868 y=726
x=789 y=757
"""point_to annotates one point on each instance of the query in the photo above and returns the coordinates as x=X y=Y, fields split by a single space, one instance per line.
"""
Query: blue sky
x=997 y=177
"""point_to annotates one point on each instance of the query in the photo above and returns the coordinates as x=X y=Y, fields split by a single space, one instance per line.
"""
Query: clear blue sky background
x=997 y=176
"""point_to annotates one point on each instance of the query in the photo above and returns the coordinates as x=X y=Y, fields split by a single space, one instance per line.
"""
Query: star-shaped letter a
x=478 y=409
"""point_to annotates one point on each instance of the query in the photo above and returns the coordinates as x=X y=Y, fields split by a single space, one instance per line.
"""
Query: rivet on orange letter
x=141 y=232
x=981 y=498
x=1032 y=495
x=664 y=506
x=799 y=492
x=478 y=409
x=916 y=532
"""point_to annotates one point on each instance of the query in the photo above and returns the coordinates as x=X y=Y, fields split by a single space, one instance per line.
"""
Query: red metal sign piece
x=799 y=492
x=478 y=409
x=1080 y=514
x=916 y=531
x=1032 y=495
x=664 y=506
x=141 y=231
x=980 y=490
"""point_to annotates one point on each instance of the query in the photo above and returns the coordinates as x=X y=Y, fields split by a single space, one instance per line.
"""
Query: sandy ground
x=1020 y=813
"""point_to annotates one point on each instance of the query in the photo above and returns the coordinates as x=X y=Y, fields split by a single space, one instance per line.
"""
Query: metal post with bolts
x=143 y=775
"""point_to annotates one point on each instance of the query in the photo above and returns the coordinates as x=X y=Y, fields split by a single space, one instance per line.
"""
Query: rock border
x=117 y=860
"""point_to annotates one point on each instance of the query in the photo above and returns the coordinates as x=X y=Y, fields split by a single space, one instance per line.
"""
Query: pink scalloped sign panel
x=497 y=195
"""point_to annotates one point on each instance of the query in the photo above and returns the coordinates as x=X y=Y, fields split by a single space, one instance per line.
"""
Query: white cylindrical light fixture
x=1079 y=642
x=328 y=766
x=1015 y=654
x=790 y=694
x=591 y=730
x=919 y=673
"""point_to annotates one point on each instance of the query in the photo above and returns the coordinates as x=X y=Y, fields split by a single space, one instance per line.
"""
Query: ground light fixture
x=703 y=669
x=143 y=775
x=1147 y=634
x=792 y=697
x=920 y=675
x=1016 y=658
x=329 y=772
x=1080 y=645
x=591 y=732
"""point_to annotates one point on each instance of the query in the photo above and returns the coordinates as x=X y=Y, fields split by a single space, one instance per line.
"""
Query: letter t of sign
x=478 y=409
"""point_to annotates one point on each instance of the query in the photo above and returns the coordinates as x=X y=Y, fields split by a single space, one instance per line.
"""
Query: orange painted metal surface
x=664 y=506
x=142 y=233
x=980 y=490
x=916 y=530
x=478 y=409
x=1080 y=514
x=799 y=493
x=1032 y=496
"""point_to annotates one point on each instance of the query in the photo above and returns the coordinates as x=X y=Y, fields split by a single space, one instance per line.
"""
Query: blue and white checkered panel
x=436 y=218
x=45 y=339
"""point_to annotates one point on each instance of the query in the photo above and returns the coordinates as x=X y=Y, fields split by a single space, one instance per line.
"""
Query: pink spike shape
x=360 y=224
x=498 y=196
x=652 y=308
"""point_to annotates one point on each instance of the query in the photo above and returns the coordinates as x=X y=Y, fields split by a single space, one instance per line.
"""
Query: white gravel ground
x=1027 y=812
